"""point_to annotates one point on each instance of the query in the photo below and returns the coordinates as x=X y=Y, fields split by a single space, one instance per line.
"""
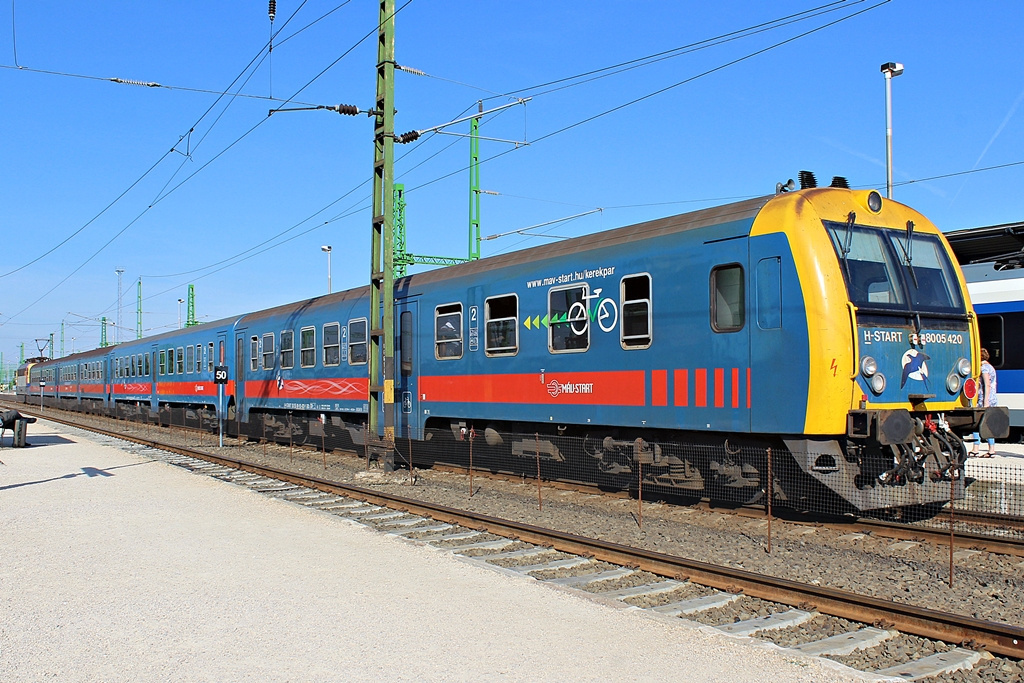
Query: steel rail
x=998 y=638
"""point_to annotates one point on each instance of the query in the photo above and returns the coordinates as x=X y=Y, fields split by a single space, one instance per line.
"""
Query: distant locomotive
x=828 y=325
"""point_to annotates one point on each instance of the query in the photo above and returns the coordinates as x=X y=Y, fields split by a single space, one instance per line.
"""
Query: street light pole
x=890 y=70
x=180 y=302
x=327 y=248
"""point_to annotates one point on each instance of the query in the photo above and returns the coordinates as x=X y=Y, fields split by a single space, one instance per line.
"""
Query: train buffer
x=18 y=424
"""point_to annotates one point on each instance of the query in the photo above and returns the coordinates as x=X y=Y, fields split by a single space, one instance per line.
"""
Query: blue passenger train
x=828 y=325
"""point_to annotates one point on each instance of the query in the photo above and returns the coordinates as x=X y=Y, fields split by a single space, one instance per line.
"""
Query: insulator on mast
x=272 y=9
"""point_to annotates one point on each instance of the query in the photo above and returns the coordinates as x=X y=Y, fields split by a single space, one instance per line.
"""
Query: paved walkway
x=117 y=568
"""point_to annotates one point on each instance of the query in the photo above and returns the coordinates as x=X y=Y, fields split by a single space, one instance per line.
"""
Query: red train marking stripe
x=659 y=387
x=719 y=388
x=700 y=387
x=338 y=388
x=735 y=387
x=748 y=388
x=681 y=387
x=609 y=388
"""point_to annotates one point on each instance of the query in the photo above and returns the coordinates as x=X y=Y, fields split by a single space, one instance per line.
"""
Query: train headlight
x=874 y=201
x=868 y=366
x=877 y=383
x=953 y=383
x=970 y=388
x=963 y=366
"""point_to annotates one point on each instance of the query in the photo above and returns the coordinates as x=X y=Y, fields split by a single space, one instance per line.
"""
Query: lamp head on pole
x=326 y=248
x=892 y=69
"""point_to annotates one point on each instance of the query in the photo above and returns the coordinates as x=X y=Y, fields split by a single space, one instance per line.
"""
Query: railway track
x=666 y=584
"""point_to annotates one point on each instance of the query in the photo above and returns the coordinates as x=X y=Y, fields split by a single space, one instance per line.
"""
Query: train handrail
x=856 y=346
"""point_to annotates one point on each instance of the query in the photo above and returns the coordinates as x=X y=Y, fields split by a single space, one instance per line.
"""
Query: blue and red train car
x=826 y=324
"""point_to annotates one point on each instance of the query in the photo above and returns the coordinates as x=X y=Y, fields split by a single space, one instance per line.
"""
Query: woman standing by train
x=986 y=397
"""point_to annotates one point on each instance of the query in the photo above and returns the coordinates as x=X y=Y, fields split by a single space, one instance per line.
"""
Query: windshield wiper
x=908 y=253
x=847 y=243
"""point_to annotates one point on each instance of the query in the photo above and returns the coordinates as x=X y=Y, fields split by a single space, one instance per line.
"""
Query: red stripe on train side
x=659 y=387
x=735 y=387
x=610 y=388
x=681 y=382
x=719 y=387
x=338 y=388
x=748 y=388
x=700 y=387
x=198 y=388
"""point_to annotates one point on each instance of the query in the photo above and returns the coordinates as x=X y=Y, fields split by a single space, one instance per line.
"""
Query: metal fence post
x=952 y=484
x=640 y=492
x=540 y=500
x=471 y=435
x=771 y=490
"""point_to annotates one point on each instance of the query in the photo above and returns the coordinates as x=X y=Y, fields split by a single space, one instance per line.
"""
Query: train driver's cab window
x=357 y=342
x=568 y=319
x=254 y=353
x=287 y=349
x=307 y=347
x=448 y=331
x=501 y=314
x=268 y=351
x=635 y=304
x=332 y=344
x=727 y=303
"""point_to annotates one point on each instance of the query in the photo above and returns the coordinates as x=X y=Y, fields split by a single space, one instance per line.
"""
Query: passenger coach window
x=307 y=347
x=254 y=353
x=448 y=331
x=990 y=331
x=501 y=315
x=569 y=326
x=209 y=361
x=199 y=357
x=332 y=344
x=635 y=304
x=145 y=363
x=190 y=359
x=287 y=349
x=268 y=351
x=181 y=361
x=357 y=341
x=727 y=310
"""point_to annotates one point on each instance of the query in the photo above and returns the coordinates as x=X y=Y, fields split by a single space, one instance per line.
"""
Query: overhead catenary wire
x=201 y=168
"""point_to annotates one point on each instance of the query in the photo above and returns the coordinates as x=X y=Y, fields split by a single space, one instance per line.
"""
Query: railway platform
x=118 y=567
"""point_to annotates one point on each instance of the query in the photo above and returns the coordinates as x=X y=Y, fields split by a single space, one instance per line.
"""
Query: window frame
x=622 y=312
x=180 y=364
x=365 y=344
x=210 y=360
x=307 y=349
x=460 y=339
x=501 y=351
x=190 y=359
x=551 y=327
x=254 y=353
x=290 y=350
x=264 y=353
x=713 y=302
x=336 y=346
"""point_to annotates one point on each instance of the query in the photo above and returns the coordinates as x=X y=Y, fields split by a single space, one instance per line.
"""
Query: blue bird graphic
x=915 y=365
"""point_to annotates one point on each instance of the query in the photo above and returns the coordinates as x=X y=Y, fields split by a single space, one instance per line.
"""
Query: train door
x=154 y=376
x=240 y=375
x=407 y=415
x=774 y=335
x=725 y=387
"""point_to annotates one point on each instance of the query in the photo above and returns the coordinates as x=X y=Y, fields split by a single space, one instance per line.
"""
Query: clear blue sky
x=72 y=146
